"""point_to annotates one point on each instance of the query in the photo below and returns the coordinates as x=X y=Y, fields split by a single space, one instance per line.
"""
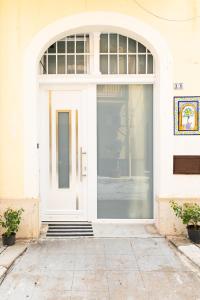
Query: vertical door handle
x=83 y=168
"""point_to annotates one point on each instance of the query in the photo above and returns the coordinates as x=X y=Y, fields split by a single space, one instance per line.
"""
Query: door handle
x=83 y=168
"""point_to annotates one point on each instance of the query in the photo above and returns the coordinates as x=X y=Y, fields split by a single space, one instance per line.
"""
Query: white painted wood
x=101 y=79
x=125 y=221
x=62 y=203
x=92 y=152
x=94 y=41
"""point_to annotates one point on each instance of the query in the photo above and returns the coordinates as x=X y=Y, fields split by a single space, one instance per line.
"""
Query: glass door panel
x=63 y=148
x=125 y=151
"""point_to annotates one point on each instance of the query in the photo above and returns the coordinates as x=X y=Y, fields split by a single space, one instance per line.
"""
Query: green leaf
x=11 y=220
x=189 y=213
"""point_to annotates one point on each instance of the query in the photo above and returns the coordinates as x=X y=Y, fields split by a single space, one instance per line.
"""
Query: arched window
x=116 y=54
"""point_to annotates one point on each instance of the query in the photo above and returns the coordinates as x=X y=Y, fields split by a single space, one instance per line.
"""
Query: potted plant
x=10 y=221
x=189 y=213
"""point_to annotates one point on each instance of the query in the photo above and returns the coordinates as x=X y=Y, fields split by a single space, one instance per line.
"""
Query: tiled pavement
x=101 y=268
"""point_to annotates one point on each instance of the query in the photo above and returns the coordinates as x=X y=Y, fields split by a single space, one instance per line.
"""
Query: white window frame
x=94 y=60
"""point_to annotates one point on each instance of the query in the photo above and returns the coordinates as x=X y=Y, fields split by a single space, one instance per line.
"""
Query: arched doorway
x=118 y=166
x=120 y=81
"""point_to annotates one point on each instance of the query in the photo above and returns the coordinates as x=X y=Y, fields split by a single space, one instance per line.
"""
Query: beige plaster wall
x=166 y=222
x=21 y=20
x=29 y=227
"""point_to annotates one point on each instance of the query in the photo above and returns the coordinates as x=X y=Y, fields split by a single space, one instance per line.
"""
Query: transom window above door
x=69 y=55
x=97 y=53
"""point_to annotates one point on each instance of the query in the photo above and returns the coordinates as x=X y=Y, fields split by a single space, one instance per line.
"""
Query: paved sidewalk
x=101 y=268
x=187 y=248
x=9 y=254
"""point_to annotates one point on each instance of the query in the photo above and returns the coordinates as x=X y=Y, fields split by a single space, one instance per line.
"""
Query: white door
x=63 y=158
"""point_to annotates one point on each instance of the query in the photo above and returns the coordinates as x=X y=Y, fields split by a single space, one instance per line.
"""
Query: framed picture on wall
x=187 y=115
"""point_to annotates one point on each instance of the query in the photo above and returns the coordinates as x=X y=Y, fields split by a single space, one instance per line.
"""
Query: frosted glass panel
x=70 y=44
x=80 y=64
x=131 y=46
x=122 y=44
x=132 y=64
x=150 y=64
x=61 y=47
x=104 y=64
x=61 y=64
x=51 y=64
x=141 y=64
x=113 y=64
x=104 y=43
x=125 y=151
x=80 y=46
x=122 y=64
x=70 y=64
x=141 y=48
x=63 y=149
x=113 y=43
x=52 y=48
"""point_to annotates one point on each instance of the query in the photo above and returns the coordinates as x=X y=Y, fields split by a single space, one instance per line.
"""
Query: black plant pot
x=9 y=240
x=194 y=233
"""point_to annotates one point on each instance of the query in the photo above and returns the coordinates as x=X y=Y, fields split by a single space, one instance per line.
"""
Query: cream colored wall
x=21 y=20
x=29 y=226
x=166 y=222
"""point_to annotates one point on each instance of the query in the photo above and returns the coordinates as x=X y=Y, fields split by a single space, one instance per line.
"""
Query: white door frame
x=48 y=182
x=91 y=141
x=87 y=22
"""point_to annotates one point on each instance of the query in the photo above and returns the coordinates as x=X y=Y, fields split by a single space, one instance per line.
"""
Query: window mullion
x=94 y=51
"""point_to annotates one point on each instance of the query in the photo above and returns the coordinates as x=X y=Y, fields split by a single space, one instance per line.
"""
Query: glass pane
x=141 y=64
x=113 y=64
x=52 y=48
x=122 y=64
x=70 y=64
x=113 y=43
x=104 y=64
x=141 y=48
x=61 y=47
x=80 y=46
x=80 y=64
x=132 y=64
x=70 y=44
x=63 y=150
x=87 y=64
x=122 y=44
x=104 y=43
x=43 y=65
x=131 y=46
x=125 y=151
x=61 y=64
x=51 y=64
x=87 y=43
x=150 y=64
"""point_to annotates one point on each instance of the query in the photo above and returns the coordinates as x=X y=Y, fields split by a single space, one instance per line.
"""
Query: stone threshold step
x=70 y=226
x=67 y=222
x=66 y=235
x=70 y=230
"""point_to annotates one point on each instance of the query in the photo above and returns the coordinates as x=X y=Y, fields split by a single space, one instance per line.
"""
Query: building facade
x=87 y=110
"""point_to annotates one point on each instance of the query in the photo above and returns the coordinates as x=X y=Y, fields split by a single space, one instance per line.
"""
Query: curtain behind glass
x=125 y=151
